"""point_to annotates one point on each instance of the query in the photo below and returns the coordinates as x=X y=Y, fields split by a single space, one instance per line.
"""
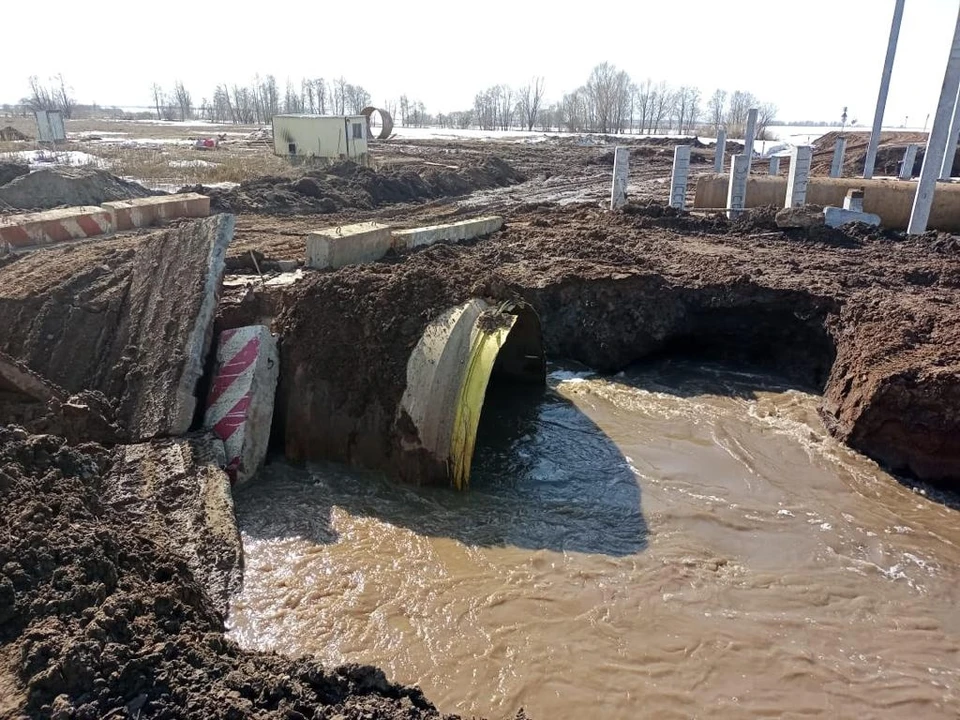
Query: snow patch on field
x=37 y=159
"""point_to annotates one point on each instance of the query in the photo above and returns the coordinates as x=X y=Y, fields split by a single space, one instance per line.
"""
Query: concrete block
x=681 y=169
x=854 y=200
x=835 y=217
x=621 y=177
x=53 y=226
x=451 y=232
x=336 y=247
x=774 y=165
x=240 y=405
x=750 y=134
x=145 y=212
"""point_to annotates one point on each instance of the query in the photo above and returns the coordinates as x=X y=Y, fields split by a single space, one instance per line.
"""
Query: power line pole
x=871 y=160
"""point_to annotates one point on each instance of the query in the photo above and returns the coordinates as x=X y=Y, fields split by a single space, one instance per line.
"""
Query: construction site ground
x=100 y=613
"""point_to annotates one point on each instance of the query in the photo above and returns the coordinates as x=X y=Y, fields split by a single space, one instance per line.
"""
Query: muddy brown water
x=680 y=540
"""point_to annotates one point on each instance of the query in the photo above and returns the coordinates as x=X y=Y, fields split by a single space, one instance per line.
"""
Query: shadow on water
x=544 y=477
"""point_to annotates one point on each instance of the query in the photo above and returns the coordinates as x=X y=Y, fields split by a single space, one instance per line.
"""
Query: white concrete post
x=621 y=175
x=721 y=149
x=871 y=159
x=937 y=141
x=750 y=134
x=775 y=165
x=909 y=160
x=737 y=192
x=836 y=168
x=800 y=158
x=678 y=182
x=950 y=154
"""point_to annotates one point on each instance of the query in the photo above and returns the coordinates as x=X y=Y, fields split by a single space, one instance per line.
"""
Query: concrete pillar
x=871 y=159
x=950 y=154
x=800 y=158
x=721 y=149
x=621 y=175
x=836 y=168
x=775 y=165
x=737 y=191
x=909 y=160
x=937 y=141
x=750 y=135
x=678 y=182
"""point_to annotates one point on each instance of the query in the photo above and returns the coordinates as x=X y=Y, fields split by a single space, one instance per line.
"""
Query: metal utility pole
x=884 y=89
x=937 y=142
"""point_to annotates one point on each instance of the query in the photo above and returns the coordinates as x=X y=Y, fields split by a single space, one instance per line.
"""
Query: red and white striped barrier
x=53 y=226
x=240 y=404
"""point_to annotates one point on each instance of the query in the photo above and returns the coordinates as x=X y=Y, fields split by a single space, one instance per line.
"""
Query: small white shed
x=334 y=137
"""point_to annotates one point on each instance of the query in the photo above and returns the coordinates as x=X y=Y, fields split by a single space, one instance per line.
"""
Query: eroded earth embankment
x=867 y=318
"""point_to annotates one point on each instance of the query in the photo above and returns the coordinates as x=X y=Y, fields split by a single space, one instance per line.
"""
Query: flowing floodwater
x=676 y=541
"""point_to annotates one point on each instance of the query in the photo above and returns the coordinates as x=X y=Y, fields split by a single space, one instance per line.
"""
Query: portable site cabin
x=333 y=137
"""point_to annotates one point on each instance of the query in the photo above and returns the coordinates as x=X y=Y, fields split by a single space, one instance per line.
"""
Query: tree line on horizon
x=609 y=102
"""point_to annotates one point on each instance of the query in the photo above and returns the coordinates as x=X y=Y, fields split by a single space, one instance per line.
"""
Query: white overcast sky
x=809 y=57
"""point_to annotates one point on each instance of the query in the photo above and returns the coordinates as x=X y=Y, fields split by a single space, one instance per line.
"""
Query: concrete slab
x=176 y=488
x=737 y=187
x=335 y=247
x=18 y=377
x=451 y=232
x=240 y=404
x=678 y=178
x=132 y=319
x=54 y=226
x=835 y=217
x=146 y=212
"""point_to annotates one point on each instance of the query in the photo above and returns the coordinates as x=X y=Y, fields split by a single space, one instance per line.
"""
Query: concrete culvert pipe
x=386 y=122
x=447 y=377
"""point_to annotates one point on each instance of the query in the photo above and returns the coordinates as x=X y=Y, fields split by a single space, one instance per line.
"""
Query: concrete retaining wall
x=451 y=232
x=53 y=226
x=76 y=223
x=146 y=212
x=240 y=404
x=892 y=200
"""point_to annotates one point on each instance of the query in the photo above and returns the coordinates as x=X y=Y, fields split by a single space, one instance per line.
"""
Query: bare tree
x=643 y=100
x=63 y=98
x=716 y=106
x=55 y=97
x=660 y=105
x=182 y=100
x=767 y=113
x=530 y=97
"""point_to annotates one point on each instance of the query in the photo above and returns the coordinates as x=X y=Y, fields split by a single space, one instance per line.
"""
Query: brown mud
x=102 y=615
x=890 y=152
x=867 y=317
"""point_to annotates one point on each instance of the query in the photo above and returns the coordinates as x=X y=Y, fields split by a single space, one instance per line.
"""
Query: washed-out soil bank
x=869 y=318
x=101 y=615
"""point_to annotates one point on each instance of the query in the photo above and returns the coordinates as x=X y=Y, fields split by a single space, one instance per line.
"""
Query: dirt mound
x=889 y=152
x=100 y=618
x=12 y=170
x=63 y=186
x=347 y=185
x=11 y=134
